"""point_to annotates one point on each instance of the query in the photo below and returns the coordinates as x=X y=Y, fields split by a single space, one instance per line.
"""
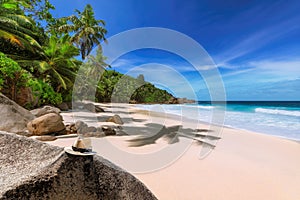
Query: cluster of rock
x=91 y=131
x=34 y=170
x=172 y=100
x=31 y=169
x=46 y=123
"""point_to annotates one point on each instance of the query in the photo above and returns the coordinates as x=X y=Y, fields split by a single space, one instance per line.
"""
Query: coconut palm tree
x=60 y=67
x=19 y=36
x=88 y=31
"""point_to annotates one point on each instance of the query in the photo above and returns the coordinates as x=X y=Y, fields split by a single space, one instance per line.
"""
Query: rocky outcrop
x=13 y=118
x=185 y=100
x=45 y=110
x=34 y=170
x=46 y=124
x=174 y=100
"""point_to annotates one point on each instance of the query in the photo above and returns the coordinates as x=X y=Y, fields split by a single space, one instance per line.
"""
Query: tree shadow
x=149 y=135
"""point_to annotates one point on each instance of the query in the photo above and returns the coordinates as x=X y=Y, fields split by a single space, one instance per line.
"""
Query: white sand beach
x=243 y=165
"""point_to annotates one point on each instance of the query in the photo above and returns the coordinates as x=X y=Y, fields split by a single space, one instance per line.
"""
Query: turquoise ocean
x=278 y=118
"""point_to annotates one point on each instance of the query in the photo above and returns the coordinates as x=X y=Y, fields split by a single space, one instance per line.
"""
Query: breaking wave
x=278 y=112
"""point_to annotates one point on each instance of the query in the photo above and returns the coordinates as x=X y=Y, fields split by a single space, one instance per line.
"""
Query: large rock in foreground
x=13 y=118
x=46 y=124
x=33 y=170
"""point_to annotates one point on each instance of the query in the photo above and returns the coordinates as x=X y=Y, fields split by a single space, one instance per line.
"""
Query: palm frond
x=66 y=28
x=74 y=19
x=60 y=78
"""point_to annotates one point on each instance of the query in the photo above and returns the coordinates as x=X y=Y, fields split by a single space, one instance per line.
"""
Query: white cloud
x=265 y=69
x=257 y=40
x=123 y=63
x=230 y=74
x=283 y=67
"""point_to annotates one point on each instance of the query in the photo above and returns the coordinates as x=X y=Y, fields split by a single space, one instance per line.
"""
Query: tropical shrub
x=43 y=93
x=12 y=76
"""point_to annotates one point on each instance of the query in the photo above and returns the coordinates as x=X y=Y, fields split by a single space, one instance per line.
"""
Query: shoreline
x=241 y=162
x=238 y=128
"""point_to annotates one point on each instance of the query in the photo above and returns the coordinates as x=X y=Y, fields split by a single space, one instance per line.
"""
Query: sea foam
x=278 y=112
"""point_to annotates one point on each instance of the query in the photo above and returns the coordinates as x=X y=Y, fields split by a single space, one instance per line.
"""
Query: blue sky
x=254 y=44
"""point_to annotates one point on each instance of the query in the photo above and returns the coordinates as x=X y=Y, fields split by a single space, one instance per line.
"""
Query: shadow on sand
x=152 y=132
x=149 y=133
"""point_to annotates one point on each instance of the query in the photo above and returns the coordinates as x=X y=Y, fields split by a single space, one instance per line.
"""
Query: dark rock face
x=25 y=96
x=71 y=129
x=64 y=106
x=33 y=170
x=108 y=130
x=13 y=118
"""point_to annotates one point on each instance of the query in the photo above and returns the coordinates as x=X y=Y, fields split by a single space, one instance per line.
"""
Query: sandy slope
x=243 y=165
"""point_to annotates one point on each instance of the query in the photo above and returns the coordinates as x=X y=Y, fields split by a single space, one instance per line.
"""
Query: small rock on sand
x=115 y=119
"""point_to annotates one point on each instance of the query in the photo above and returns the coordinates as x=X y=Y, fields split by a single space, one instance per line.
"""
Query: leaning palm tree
x=60 y=62
x=20 y=38
x=88 y=31
x=59 y=66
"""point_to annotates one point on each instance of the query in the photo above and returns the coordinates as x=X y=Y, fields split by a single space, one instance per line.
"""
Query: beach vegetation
x=12 y=76
x=59 y=67
x=42 y=53
x=43 y=93
x=20 y=37
x=117 y=87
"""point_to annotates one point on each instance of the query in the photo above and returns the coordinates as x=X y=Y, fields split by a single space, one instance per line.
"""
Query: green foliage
x=12 y=76
x=45 y=58
x=59 y=67
x=20 y=38
x=116 y=87
x=8 y=67
x=148 y=93
x=44 y=93
x=107 y=85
